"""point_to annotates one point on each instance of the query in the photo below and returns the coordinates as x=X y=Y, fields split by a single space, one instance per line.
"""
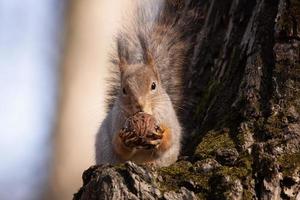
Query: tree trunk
x=243 y=111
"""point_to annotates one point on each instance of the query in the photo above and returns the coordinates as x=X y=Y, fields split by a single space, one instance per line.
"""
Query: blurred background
x=53 y=65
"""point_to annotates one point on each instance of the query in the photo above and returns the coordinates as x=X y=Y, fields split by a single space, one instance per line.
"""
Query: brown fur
x=166 y=140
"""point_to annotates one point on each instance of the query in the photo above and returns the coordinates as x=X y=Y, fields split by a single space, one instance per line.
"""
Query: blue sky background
x=29 y=53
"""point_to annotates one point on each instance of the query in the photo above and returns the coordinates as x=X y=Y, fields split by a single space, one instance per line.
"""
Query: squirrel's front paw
x=153 y=138
x=128 y=138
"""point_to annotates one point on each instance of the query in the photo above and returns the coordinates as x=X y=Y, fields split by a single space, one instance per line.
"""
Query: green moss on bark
x=213 y=141
x=289 y=163
x=180 y=175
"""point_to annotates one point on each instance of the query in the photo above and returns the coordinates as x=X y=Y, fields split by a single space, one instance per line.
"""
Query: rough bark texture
x=244 y=80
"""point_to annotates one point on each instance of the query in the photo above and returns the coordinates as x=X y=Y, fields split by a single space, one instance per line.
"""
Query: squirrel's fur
x=152 y=48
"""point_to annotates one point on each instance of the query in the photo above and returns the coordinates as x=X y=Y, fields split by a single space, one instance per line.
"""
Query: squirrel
x=148 y=67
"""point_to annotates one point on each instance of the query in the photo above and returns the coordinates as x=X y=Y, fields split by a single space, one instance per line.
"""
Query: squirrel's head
x=140 y=83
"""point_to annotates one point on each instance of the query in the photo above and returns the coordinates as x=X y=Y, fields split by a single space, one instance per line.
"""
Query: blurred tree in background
x=29 y=58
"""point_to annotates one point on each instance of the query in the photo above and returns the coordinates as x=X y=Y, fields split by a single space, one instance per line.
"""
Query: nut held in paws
x=141 y=131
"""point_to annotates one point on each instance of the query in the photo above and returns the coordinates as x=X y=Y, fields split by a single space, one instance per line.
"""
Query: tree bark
x=243 y=111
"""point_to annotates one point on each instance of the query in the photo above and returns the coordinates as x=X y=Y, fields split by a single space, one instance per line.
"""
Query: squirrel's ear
x=147 y=57
x=122 y=54
x=122 y=65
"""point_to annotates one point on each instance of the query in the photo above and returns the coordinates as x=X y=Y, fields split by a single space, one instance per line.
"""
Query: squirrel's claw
x=155 y=143
x=147 y=145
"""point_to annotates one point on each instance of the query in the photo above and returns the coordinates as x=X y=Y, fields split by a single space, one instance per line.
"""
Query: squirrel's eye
x=153 y=86
x=124 y=91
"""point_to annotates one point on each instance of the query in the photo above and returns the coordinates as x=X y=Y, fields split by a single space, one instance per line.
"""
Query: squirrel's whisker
x=162 y=100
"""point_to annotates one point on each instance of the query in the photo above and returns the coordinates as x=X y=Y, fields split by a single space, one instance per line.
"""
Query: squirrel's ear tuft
x=122 y=54
x=147 y=57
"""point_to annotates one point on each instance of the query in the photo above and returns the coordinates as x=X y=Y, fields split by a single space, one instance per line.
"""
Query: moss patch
x=241 y=171
x=213 y=141
x=180 y=175
x=289 y=163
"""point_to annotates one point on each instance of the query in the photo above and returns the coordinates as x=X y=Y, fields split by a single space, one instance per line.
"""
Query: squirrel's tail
x=164 y=27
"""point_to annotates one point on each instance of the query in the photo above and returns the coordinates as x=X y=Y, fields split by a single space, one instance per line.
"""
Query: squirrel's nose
x=139 y=108
x=140 y=104
x=144 y=108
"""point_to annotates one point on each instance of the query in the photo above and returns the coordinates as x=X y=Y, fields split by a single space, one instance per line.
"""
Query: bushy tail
x=162 y=28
